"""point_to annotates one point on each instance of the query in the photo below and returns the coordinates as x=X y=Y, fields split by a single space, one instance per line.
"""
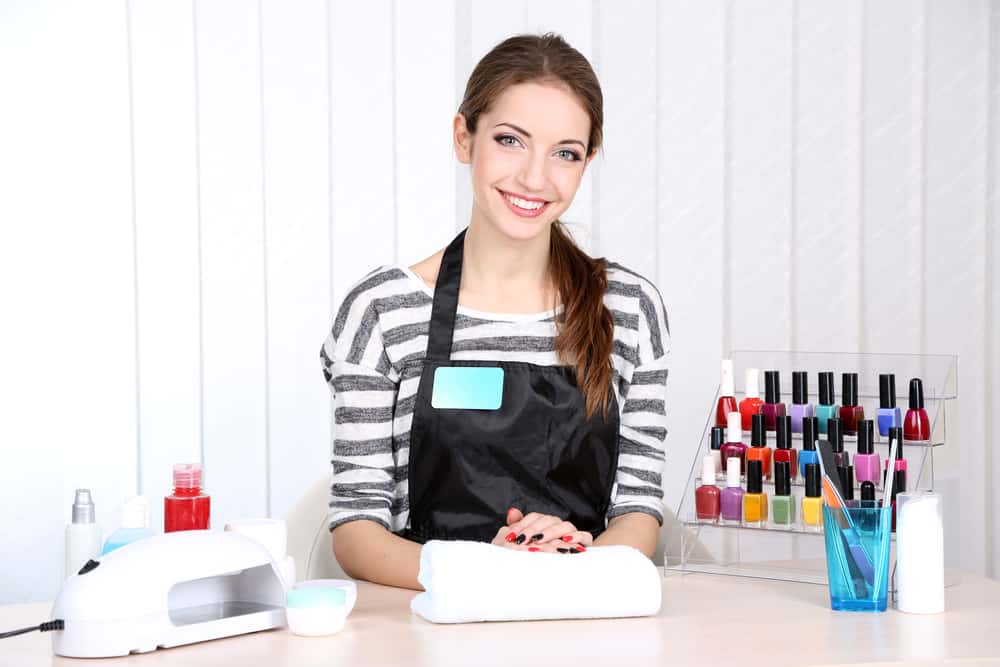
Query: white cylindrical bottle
x=83 y=535
x=920 y=552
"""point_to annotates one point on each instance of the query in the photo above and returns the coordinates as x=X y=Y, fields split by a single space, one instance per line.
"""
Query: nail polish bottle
x=734 y=447
x=783 y=447
x=706 y=498
x=826 y=408
x=773 y=407
x=717 y=439
x=916 y=426
x=782 y=504
x=866 y=461
x=888 y=414
x=810 y=433
x=727 y=394
x=896 y=435
x=732 y=496
x=812 y=504
x=850 y=412
x=868 y=502
x=754 y=500
x=751 y=404
x=759 y=451
x=801 y=407
x=835 y=434
x=898 y=486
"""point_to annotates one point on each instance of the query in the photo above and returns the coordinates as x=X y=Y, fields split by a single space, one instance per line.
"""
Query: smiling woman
x=569 y=350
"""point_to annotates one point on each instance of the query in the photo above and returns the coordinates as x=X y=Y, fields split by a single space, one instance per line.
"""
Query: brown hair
x=586 y=328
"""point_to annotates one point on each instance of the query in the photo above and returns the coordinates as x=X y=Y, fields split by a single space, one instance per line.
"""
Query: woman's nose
x=532 y=175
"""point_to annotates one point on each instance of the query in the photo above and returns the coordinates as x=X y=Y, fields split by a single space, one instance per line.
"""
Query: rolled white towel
x=476 y=581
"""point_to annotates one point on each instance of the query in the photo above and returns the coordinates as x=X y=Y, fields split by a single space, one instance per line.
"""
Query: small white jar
x=316 y=611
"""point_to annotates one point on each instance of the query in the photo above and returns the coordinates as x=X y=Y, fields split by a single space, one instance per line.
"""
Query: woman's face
x=527 y=157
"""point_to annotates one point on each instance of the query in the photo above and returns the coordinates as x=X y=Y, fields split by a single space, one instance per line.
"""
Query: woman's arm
x=636 y=529
x=366 y=550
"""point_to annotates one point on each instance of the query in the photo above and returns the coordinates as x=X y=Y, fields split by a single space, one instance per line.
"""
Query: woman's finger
x=539 y=529
x=579 y=537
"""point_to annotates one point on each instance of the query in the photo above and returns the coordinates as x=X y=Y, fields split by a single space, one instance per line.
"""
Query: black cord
x=44 y=627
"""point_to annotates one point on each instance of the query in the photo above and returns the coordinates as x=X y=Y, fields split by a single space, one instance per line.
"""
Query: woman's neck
x=498 y=269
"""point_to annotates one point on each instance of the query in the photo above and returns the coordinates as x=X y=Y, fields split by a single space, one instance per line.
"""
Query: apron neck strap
x=449 y=279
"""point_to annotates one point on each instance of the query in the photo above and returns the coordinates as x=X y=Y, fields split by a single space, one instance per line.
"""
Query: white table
x=705 y=619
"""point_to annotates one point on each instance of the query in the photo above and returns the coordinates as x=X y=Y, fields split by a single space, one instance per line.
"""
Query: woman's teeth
x=523 y=203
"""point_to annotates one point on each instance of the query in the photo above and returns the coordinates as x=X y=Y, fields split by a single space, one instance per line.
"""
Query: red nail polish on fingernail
x=533 y=549
x=580 y=548
x=511 y=537
x=567 y=538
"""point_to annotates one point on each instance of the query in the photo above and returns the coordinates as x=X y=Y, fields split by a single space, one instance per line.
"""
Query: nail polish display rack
x=796 y=552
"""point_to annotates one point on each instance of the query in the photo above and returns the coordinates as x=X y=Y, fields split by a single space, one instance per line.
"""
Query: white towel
x=477 y=581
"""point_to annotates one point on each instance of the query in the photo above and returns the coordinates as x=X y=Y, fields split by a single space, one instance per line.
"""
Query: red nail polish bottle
x=759 y=451
x=783 y=448
x=773 y=407
x=751 y=404
x=916 y=426
x=734 y=447
x=851 y=414
x=706 y=498
x=727 y=394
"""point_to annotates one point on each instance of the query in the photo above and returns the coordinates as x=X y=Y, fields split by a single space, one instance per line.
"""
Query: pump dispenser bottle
x=83 y=535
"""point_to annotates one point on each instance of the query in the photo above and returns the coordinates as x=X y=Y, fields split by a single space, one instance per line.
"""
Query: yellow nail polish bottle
x=754 y=500
x=812 y=504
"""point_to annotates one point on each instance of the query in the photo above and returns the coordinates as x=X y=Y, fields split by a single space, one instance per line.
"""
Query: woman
x=508 y=388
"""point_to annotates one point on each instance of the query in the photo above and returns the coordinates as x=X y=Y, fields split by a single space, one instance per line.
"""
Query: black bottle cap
x=758 y=434
x=754 y=472
x=812 y=480
x=896 y=433
x=782 y=478
x=783 y=435
x=866 y=436
x=835 y=435
x=718 y=437
x=810 y=429
x=772 y=387
x=868 y=491
x=800 y=387
x=916 y=394
x=826 y=388
x=887 y=390
x=849 y=385
x=847 y=481
x=899 y=483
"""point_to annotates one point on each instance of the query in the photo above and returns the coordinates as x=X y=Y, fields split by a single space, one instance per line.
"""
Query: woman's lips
x=523 y=212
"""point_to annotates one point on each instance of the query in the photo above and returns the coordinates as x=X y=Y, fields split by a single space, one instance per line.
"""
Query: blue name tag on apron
x=467 y=388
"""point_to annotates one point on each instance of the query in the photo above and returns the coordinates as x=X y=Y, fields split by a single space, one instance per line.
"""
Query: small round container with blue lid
x=315 y=611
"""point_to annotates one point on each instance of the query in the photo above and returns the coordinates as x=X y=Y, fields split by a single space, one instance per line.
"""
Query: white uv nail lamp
x=168 y=590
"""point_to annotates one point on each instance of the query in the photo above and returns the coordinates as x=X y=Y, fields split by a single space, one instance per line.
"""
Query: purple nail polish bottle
x=801 y=407
x=732 y=495
x=773 y=407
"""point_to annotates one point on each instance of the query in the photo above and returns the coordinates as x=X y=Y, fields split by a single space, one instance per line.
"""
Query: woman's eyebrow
x=527 y=134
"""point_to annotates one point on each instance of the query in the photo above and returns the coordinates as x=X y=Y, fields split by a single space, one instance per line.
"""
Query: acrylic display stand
x=795 y=553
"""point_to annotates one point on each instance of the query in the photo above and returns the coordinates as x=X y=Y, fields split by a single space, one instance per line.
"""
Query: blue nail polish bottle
x=888 y=414
x=826 y=408
x=808 y=454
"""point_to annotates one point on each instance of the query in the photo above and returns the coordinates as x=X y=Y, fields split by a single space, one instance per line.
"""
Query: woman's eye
x=502 y=140
x=572 y=156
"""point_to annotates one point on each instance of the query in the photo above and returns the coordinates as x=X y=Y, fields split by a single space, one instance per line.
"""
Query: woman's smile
x=525 y=207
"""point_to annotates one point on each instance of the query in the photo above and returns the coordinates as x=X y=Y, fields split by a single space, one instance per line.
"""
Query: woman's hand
x=541 y=532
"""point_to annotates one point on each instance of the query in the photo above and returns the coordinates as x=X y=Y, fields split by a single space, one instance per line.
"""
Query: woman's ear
x=463 y=139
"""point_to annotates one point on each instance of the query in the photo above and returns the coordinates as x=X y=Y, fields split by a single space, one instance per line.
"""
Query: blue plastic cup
x=857 y=555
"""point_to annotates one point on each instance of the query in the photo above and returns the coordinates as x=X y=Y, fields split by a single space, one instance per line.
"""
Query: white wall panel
x=825 y=170
x=626 y=224
x=362 y=144
x=957 y=58
x=760 y=176
x=167 y=242
x=992 y=338
x=893 y=177
x=425 y=105
x=690 y=217
x=233 y=280
x=297 y=216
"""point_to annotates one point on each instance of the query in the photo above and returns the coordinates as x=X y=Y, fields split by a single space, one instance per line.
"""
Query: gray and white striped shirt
x=371 y=360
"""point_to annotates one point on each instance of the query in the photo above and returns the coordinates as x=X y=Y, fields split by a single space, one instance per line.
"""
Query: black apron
x=537 y=452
